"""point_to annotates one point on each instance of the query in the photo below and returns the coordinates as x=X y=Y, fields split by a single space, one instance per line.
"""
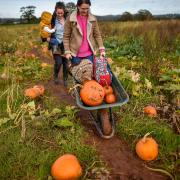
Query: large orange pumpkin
x=147 y=148
x=92 y=93
x=150 y=111
x=66 y=167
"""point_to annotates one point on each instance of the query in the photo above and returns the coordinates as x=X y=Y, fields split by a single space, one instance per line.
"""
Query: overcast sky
x=10 y=8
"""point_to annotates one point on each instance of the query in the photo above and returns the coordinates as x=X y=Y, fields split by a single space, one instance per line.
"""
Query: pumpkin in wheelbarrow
x=92 y=93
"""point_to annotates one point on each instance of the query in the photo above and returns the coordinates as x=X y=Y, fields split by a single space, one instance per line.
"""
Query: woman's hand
x=68 y=56
x=102 y=53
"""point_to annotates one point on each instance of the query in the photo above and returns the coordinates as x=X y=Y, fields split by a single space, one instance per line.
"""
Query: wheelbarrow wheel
x=105 y=121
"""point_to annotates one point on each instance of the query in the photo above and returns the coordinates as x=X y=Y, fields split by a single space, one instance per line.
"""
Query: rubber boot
x=54 y=49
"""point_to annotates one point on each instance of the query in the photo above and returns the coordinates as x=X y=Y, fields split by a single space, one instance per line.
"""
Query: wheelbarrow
x=102 y=115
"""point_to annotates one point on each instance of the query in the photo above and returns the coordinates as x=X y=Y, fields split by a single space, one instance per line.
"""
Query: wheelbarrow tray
x=121 y=96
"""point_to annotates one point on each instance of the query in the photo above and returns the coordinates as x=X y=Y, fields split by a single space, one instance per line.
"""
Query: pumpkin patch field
x=41 y=127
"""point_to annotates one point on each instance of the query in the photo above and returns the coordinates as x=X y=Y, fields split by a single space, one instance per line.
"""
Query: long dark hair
x=59 y=5
x=80 y=2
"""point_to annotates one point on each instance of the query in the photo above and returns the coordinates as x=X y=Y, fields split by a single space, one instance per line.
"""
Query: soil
x=115 y=152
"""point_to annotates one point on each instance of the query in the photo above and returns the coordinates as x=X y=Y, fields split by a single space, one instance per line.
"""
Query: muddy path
x=121 y=161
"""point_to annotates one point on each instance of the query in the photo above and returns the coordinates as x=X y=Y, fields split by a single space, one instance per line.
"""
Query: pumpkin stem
x=162 y=171
x=75 y=86
x=145 y=136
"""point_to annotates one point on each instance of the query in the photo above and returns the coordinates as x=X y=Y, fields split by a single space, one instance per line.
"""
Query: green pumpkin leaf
x=31 y=105
x=63 y=122
x=12 y=116
x=55 y=111
x=4 y=121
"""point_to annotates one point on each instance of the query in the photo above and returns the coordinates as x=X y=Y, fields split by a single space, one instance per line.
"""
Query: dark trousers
x=59 y=60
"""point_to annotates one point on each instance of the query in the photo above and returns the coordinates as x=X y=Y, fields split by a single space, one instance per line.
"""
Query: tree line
x=28 y=15
x=28 y=12
x=144 y=14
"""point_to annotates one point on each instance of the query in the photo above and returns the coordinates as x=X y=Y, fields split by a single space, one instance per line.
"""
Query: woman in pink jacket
x=81 y=34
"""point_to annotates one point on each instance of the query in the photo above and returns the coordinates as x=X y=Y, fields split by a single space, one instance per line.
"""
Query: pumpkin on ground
x=40 y=88
x=32 y=93
x=147 y=148
x=44 y=49
x=150 y=111
x=66 y=167
x=44 y=65
x=35 y=91
x=92 y=93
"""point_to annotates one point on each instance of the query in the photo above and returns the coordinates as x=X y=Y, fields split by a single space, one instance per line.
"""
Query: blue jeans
x=76 y=60
x=54 y=41
x=59 y=60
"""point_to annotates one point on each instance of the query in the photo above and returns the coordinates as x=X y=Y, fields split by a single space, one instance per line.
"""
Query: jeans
x=59 y=60
x=53 y=41
x=76 y=60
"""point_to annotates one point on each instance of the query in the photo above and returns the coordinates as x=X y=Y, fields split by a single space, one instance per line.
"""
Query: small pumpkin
x=150 y=111
x=32 y=93
x=33 y=55
x=18 y=53
x=44 y=65
x=40 y=88
x=92 y=93
x=108 y=90
x=147 y=148
x=66 y=167
x=45 y=49
x=110 y=98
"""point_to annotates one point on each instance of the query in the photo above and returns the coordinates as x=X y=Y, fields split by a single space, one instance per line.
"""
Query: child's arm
x=47 y=29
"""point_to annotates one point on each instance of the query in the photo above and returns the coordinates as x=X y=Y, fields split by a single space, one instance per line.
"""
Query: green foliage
x=177 y=45
x=130 y=47
x=8 y=47
x=24 y=68
x=134 y=83
x=33 y=137
x=135 y=124
x=32 y=156
x=63 y=122
x=170 y=80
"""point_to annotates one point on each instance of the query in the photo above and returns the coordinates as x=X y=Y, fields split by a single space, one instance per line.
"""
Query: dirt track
x=123 y=164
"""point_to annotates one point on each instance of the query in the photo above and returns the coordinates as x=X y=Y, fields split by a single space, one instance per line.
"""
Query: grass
x=31 y=157
x=28 y=150
x=134 y=124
